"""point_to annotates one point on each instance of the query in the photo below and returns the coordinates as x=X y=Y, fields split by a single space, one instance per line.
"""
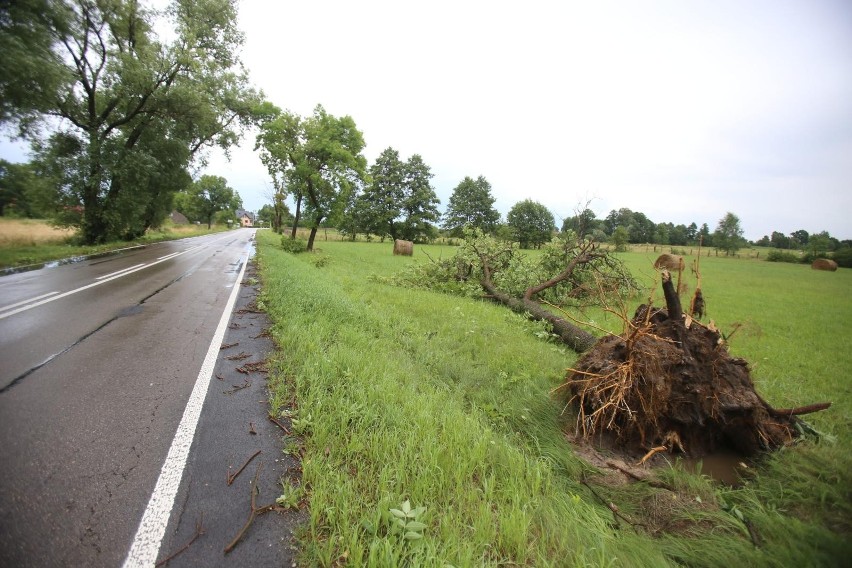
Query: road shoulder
x=234 y=445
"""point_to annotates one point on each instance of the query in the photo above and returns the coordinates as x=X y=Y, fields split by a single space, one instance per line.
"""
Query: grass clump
x=442 y=402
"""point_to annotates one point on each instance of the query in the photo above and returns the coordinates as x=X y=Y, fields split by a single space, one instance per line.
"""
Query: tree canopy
x=116 y=115
x=206 y=197
x=729 y=234
x=531 y=223
x=318 y=159
x=399 y=200
x=471 y=205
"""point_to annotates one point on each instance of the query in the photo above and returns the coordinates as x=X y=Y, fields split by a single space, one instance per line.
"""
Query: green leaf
x=413 y=536
x=397 y=513
x=417 y=512
x=415 y=526
x=406 y=507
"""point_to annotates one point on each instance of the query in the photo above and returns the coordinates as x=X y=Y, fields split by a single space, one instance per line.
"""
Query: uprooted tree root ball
x=671 y=382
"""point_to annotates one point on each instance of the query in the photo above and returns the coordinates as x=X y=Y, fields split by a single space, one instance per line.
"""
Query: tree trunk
x=675 y=311
x=571 y=335
x=297 y=217
x=317 y=222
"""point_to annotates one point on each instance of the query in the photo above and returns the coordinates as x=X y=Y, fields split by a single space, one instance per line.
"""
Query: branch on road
x=199 y=530
x=255 y=511
x=231 y=478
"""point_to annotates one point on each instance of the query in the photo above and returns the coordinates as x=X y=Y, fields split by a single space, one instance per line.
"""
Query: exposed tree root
x=663 y=383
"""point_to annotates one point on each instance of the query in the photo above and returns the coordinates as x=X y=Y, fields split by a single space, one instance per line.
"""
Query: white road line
x=35 y=304
x=16 y=304
x=149 y=535
x=119 y=271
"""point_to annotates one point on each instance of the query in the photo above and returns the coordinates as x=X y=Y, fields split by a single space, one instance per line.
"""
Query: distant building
x=178 y=218
x=246 y=218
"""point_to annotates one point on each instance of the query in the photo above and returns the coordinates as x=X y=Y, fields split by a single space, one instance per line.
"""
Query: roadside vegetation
x=35 y=241
x=431 y=435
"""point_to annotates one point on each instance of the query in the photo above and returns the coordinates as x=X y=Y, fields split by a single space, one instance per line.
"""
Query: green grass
x=408 y=395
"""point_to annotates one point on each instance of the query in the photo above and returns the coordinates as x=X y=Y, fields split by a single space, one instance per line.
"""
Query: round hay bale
x=405 y=248
x=824 y=264
x=671 y=262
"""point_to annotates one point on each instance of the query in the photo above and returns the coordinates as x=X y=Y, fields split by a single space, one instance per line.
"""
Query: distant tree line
x=317 y=162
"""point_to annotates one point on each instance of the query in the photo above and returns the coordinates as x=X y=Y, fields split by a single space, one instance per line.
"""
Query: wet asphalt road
x=97 y=361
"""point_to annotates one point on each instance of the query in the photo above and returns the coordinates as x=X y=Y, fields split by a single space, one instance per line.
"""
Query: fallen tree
x=570 y=274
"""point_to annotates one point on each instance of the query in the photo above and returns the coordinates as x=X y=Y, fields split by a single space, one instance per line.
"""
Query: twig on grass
x=199 y=530
x=231 y=478
x=255 y=511
x=616 y=513
x=623 y=468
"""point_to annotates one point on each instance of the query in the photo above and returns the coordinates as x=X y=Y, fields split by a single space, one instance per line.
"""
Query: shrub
x=843 y=257
x=294 y=246
x=781 y=256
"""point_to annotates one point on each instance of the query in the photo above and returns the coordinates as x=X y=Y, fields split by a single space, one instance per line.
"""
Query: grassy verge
x=445 y=403
x=32 y=241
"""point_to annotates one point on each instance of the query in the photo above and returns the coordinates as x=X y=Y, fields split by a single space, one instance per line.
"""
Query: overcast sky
x=682 y=110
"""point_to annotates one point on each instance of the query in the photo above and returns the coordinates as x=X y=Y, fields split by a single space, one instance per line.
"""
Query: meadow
x=431 y=433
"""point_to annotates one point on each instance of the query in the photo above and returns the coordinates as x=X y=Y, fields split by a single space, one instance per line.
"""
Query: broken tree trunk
x=574 y=337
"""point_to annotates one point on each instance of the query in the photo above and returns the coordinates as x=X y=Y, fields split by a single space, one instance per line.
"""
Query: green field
x=400 y=395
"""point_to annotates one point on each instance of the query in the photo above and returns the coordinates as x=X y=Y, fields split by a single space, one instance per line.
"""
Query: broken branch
x=231 y=478
x=199 y=530
x=255 y=511
x=236 y=388
x=277 y=423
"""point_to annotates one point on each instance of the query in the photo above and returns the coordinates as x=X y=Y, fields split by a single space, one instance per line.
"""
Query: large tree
x=317 y=158
x=419 y=207
x=399 y=201
x=376 y=210
x=207 y=197
x=128 y=113
x=729 y=234
x=531 y=223
x=471 y=205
